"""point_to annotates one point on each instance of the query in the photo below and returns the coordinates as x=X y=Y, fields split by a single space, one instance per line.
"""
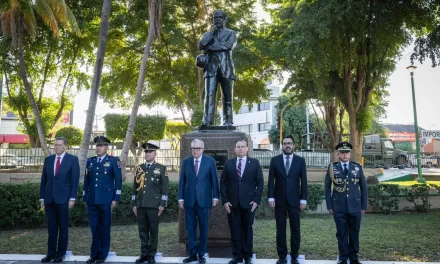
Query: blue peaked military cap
x=101 y=140
x=344 y=147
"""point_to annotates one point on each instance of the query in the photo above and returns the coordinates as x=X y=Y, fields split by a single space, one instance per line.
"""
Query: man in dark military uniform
x=102 y=191
x=346 y=197
x=150 y=196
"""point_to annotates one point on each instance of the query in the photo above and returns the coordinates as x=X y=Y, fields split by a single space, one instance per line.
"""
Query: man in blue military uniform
x=102 y=191
x=150 y=196
x=346 y=197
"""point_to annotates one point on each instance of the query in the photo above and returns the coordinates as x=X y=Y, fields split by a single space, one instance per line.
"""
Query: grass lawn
x=399 y=237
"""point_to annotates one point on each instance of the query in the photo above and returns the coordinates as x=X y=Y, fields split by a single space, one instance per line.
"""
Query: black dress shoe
x=342 y=262
x=202 y=260
x=141 y=259
x=151 y=260
x=295 y=261
x=47 y=259
x=281 y=261
x=355 y=261
x=235 y=260
x=100 y=260
x=247 y=261
x=190 y=259
x=59 y=259
x=91 y=260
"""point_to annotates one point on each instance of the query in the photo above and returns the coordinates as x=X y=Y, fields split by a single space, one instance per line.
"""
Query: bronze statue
x=218 y=67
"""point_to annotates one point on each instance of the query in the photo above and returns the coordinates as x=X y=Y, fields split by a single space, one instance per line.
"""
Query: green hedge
x=20 y=206
x=385 y=197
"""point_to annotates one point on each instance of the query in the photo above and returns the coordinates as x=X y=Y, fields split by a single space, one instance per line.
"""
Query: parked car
x=426 y=161
x=9 y=161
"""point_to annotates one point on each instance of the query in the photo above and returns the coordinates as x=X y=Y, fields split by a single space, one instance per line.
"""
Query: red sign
x=402 y=136
x=66 y=118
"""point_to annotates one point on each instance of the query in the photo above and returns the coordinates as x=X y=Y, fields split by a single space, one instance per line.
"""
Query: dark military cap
x=149 y=147
x=344 y=147
x=101 y=140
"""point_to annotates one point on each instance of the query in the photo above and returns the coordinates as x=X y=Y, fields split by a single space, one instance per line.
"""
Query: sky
x=427 y=93
x=399 y=110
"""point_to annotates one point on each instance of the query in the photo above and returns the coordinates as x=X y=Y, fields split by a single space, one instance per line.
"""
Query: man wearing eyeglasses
x=287 y=193
x=198 y=191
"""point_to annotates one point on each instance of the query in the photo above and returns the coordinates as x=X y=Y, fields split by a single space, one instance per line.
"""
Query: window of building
x=264 y=106
x=244 y=109
x=245 y=129
x=264 y=127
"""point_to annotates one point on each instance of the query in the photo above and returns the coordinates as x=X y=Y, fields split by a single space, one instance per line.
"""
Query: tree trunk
x=355 y=138
x=103 y=34
x=28 y=88
x=154 y=13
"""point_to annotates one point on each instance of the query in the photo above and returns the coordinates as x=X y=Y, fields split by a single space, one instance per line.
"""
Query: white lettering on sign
x=431 y=134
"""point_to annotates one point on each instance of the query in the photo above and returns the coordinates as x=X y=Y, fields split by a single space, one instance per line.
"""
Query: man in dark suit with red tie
x=287 y=193
x=241 y=187
x=58 y=192
x=198 y=191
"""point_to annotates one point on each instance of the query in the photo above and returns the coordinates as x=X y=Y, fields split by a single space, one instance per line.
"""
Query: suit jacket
x=202 y=187
x=347 y=194
x=102 y=182
x=219 y=51
x=63 y=186
x=290 y=188
x=241 y=192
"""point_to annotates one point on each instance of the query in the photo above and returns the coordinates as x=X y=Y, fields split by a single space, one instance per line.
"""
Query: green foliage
x=418 y=195
x=172 y=76
x=174 y=131
x=315 y=194
x=384 y=197
x=72 y=134
x=20 y=205
x=148 y=127
x=294 y=122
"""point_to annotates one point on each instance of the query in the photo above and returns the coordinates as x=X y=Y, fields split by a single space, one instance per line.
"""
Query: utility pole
x=308 y=127
x=1 y=99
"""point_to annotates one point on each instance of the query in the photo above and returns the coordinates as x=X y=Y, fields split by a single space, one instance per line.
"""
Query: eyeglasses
x=196 y=149
x=287 y=143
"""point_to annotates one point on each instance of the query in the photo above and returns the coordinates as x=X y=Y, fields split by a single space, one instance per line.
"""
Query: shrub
x=384 y=197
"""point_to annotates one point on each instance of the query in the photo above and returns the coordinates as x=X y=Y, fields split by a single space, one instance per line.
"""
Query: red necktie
x=196 y=167
x=57 y=167
x=239 y=168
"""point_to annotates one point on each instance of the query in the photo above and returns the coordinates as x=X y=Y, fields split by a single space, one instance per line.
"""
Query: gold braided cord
x=334 y=181
x=139 y=176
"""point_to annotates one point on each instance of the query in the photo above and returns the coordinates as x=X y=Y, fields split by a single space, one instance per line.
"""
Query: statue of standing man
x=218 y=67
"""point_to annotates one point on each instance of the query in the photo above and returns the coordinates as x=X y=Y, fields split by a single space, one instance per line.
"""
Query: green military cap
x=149 y=147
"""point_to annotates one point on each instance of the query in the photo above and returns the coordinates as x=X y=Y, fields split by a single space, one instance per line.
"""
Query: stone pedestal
x=219 y=144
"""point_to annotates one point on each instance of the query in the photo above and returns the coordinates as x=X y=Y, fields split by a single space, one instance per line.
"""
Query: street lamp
x=420 y=178
x=281 y=125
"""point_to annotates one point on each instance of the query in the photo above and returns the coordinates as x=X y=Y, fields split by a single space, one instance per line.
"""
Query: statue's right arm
x=206 y=39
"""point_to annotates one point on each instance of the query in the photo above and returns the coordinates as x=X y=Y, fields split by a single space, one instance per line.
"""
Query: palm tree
x=154 y=26
x=103 y=34
x=19 y=17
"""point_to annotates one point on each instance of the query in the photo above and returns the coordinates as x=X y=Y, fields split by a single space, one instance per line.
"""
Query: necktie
x=239 y=168
x=57 y=166
x=99 y=160
x=196 y=167
x=287 y=164
x=345 y=170
x=148 y=166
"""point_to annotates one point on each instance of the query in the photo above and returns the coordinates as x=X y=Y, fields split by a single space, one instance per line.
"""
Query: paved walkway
x=31 y=259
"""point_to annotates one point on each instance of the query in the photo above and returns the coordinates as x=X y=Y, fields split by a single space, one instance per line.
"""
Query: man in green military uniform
x=150 y=196
x=346 y=197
